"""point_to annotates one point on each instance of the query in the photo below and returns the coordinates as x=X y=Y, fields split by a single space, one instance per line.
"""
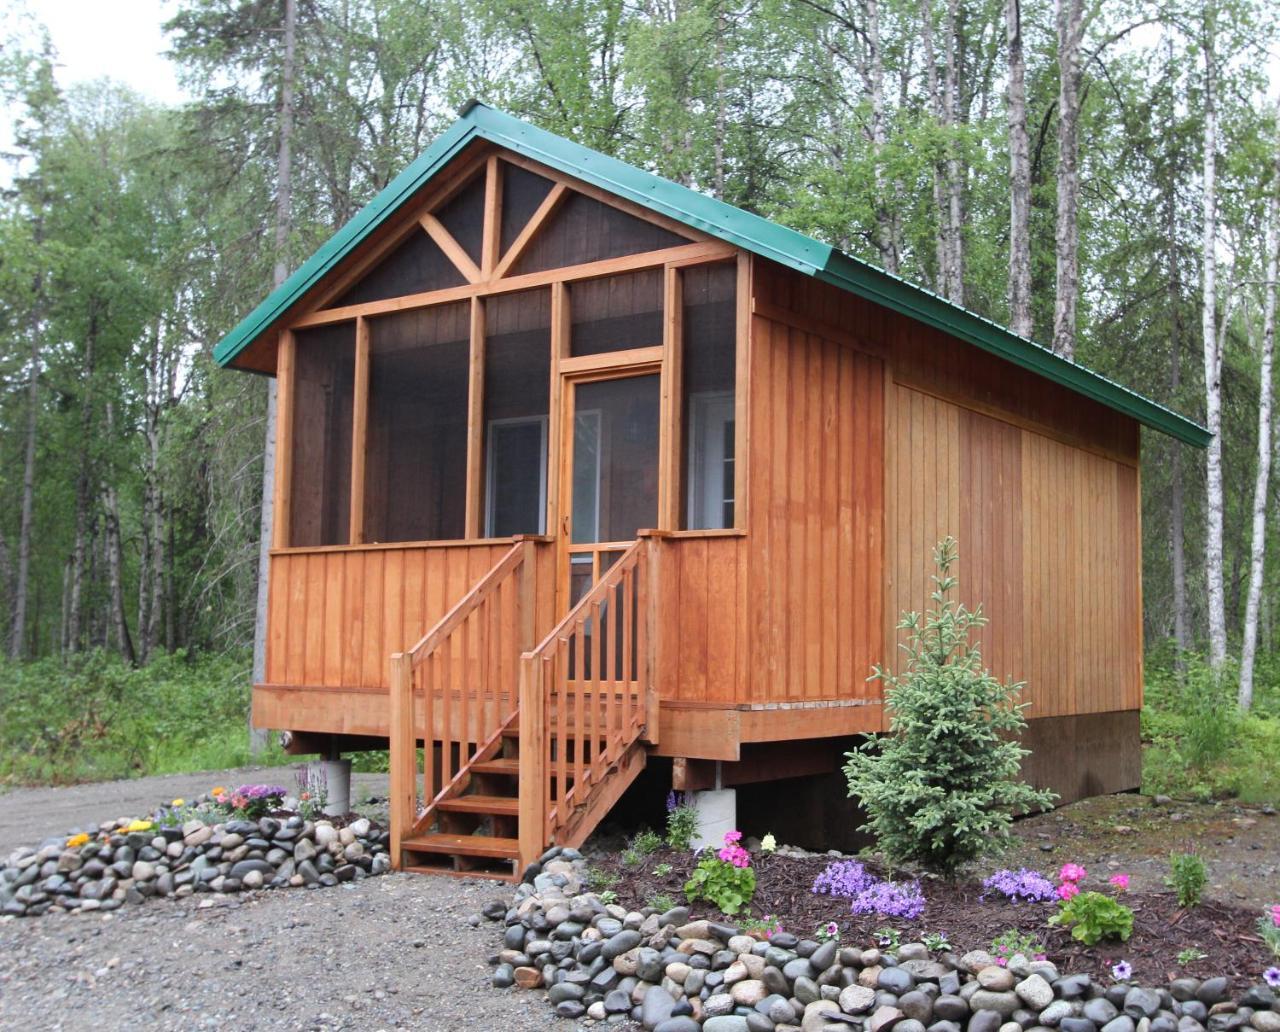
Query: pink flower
x=730 y=837
x=1072 y=873
x=1067 y=890
x=1001 y=961
x=1120 y=881
x=1275 y=915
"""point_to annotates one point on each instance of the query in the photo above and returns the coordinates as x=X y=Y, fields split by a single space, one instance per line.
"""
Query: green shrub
x=682 y=822
x=730 y=888
x=661 y=903
x=941 y=788
x=1187 y=877
x=1092 y=916
x=94 y=717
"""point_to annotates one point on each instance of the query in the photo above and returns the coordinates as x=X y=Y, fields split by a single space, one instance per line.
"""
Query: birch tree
x=1019 y=290
x=1069 y=16
x=1248 y=648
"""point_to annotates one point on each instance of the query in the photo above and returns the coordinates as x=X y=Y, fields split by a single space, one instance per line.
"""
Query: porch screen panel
x=323 y=390
x=585 y=230
x=413 y=267
x=616 y=313
x=517 y=401
x=416 y=455
x=463 y=217
x=710 y=350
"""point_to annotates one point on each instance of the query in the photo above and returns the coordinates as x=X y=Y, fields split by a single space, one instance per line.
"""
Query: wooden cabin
x=577 y=467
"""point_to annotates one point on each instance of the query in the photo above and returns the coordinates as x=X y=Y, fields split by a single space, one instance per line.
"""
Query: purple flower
x=674 y=800
x=891 y=899
x=1272 y=977
x=260 y=791
x=844 y=878
x=1121 y=971
x=1022 y=885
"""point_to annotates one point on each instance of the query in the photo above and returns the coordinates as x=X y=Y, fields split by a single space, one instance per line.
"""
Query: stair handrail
x=536 y=686
x=404 y=816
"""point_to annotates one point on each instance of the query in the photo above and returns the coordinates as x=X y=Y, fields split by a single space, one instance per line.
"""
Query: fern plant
x=941 y=787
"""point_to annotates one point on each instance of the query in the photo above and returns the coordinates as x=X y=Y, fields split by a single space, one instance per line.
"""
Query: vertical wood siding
x=336 y=616
x=1048 y=543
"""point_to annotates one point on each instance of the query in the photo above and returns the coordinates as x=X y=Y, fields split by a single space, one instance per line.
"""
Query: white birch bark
x=1019 y=177
x=284 y=187
x=1212 y=369
x=18 y=628
x=955 y=170
x=886 y=219
x=942 y=245
x=1257 y=555
x=1070 y=22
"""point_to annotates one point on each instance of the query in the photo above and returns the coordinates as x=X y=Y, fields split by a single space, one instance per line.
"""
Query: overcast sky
x=121 y=39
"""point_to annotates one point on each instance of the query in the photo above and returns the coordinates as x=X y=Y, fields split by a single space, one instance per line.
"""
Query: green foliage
x=97 y=718
x=682 y=826
x=1187 y=877
x=940 y=789
x=1011 y=942
x=662 y=870
x=1092 y=916
x=1190 y=955
x=1269 y=929
x=661 y=903
x=718 y=881
x=889 y=938
x=644 y=844
x=936 y=942
x=600 y=880
x=762 y=928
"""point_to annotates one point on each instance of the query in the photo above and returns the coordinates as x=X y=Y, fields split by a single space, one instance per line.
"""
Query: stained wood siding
x=1048 y=542
x=335 y=616
x=814 y=551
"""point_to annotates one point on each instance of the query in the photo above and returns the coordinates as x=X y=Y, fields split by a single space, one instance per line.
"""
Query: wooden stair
x=508 y=768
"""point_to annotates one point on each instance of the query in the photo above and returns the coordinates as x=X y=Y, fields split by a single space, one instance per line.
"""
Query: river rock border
x=601 y=962
x=120 y=866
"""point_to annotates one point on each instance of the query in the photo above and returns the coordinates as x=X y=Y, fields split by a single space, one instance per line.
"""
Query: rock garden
x=226 y=841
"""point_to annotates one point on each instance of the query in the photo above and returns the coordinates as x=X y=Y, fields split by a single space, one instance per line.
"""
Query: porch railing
x=586 y=696
x=463 y=671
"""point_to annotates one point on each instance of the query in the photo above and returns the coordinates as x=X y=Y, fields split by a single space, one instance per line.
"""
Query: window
x=323 y=390
x=585 y=230
x=710 y=358
x=416 y=452
x=616 y=313
x=517 y=400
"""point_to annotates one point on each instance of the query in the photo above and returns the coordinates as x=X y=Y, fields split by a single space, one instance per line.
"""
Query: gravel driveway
x=391 y=952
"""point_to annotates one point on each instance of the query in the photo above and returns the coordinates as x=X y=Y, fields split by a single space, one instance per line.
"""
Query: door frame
x=624 y=365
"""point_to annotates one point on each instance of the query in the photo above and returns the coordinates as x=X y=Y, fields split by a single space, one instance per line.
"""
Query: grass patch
x=1197 y=744
x=95 y=718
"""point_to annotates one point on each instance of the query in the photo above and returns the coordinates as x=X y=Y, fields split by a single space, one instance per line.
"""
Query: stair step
x=507 y=806
x=448 y=872
x=463 y=845
x=503 y=765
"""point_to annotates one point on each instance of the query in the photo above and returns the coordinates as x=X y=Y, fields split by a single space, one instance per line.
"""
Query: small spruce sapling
x=941 y=787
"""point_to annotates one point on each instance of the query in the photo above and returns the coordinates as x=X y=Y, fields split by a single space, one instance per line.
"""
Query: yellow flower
x=217 y=791
x=769 y=843
x=77 y=840
x=178 y=802
x=139 y=826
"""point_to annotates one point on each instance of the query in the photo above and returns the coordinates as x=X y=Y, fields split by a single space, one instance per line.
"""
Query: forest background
x=1101 y=177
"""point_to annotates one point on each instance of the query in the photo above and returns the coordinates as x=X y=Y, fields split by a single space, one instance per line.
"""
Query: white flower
x=768 y=844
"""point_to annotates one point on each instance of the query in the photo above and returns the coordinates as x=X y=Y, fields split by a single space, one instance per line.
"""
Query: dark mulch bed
x=1160 y=929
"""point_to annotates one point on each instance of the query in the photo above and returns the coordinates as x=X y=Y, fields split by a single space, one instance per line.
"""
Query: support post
x=533 y=774
x=652 y=641
x=403 y=800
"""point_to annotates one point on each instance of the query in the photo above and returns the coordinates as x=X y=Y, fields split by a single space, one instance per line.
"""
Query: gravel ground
x=396 y=951
x=30 y=814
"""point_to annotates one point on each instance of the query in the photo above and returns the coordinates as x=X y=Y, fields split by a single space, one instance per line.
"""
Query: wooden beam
x=559 y=351
x=539 y=218
x=683 y=254
x=692 y=775
x=475 y=422
x=359 y=431
x=742 y=390
x=611 y=360
x=282 y=486
x=670 y=487
x=452 y=249
x=492 y=238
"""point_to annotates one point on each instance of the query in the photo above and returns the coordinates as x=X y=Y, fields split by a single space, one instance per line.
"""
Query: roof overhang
x=715 y=218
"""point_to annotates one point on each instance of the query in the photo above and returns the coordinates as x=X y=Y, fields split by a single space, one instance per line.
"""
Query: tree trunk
x=284 y=190
x=1019 y=178
x=1261 y=482
x=1070 y=20
x=1212 y=369
x=18 y=629
x=886 y=218
x=84 y=494
x=718 y=172
x=955 y=168
x=942 y=242
x=117 y=622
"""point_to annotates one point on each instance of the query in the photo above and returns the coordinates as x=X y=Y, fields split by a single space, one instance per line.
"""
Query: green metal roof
x=717 y=219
